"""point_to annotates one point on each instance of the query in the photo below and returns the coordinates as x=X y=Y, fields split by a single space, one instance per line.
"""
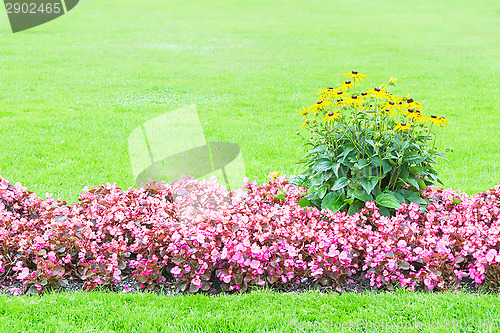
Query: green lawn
x=72 y=90
x=260 y=311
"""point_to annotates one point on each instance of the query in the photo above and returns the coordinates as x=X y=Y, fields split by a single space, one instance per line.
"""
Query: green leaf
x=322 y=191
x=346 y=151
x=457 y=200
x=411 y=196
x=421 y=185
x=333 y=202
x=300 y=181
x=280 y=196
x=400 y=197
x=316 y=180
x=329 y=199
x=323 y=165
x=369 y=184
x=355 y=207
x=362 y=195
x=318 y=149
x=438 y=154
x=414 y=158
x=384 y=211
x=304 y=202
x=362 y=163
x=413 y=182
x=375 y=161
x=386 y=166
x=388 y=200
x=325 y=176
x=335 y=168
x=340 y=184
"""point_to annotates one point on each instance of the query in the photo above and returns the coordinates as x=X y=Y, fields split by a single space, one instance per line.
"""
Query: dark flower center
x=347 y=82
x=410 y=100
x=330 y=114
x=376 y=89
x=354 y=72
x=391 y=103
x=364 y=94
x=354 y=97
x=319 y=102
x=434 y=117
x=339 y=92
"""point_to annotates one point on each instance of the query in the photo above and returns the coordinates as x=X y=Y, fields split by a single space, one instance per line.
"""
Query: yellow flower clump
x=373 y=108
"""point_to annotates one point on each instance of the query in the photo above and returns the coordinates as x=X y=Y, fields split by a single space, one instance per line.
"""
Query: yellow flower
x=365 y=94
x=332 y=116
x=439 y=121
x=302 y=111
x=390 y=107
x=327 y=93
x=420 y=117
x=415 y=115
x=346 y=85
x=274 y=175
x=320 y=105
x=392 y=81
x=353 y=101
x=377 y=92
x=357 y=77
x=395 y=98
x=443 y=121
x=402 y=127
x=410 y=104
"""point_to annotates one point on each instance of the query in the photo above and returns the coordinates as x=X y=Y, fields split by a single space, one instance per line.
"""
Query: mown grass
x=73 y=89
x=257 y=311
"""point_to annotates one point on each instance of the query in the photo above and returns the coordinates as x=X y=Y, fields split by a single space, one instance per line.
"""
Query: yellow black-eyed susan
x=346 y=85
x=353 y=101
x=433 y=120
x=411 y=104
x=402 y=127
x=390 y=107
x=302 y=111
x=443 y=121
x=380 y=93
x=331 y=116
x=354 y=75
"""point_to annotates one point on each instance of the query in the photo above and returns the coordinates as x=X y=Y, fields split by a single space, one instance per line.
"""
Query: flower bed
x=198 y=237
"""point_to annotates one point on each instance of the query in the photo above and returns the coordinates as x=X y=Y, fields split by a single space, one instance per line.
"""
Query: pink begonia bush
x=197 y=236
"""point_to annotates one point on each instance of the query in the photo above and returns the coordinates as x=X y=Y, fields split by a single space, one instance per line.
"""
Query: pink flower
x=490 y=256
x=52 y=256
x=402 y=243
x=255 y=264
x=24 y=273
x=197 y=282
x=200 y=238
x=176 y=270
